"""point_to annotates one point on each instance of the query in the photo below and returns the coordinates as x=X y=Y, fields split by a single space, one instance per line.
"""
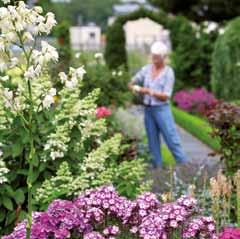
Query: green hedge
x=225 y=76
x=196 y=126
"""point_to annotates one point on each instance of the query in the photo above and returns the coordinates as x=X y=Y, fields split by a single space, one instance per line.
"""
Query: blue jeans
x=159 y=121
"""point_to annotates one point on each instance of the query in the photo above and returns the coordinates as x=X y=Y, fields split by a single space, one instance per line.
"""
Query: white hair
x=159 y=48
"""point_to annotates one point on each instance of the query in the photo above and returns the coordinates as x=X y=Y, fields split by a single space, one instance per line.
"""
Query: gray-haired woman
x=158 y=81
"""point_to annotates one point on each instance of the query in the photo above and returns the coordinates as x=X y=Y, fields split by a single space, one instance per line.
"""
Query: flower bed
x=103 y=214
x=195 y=101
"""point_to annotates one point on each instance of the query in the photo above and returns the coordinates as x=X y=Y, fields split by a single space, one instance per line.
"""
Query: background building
x=140 y=34
x=86 y=37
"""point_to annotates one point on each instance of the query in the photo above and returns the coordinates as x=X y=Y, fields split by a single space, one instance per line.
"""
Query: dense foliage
x=224 y=119
x=226 y=63
x=103 y=214
x=112 y=83
x=199 y=10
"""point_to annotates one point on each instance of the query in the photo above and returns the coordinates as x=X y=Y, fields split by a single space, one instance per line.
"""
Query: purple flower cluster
x=103 y=214
x=168 y=217
x=230 y=233
x=196 y=101
x=202 y=227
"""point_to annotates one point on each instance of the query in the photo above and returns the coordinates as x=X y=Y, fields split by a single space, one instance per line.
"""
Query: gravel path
x=200 y=165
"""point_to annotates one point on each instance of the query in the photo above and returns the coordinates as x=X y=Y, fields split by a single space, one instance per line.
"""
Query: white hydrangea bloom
x=49 y=98
x=63 y=77
x=32 y=72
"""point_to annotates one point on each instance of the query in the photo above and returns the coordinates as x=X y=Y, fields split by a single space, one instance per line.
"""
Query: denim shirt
x=163 y=83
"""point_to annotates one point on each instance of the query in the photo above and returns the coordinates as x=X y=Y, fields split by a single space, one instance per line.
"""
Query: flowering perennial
x=196 y=101
x=103 y=112
x=103 y=214
x=230 y=233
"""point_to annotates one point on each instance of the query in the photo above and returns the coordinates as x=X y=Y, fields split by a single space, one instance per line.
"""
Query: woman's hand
x=144 y=90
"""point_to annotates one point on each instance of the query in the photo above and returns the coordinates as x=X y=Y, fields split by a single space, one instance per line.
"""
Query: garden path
x=201 y=163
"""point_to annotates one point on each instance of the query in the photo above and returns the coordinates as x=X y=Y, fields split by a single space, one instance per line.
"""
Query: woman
x=158 y=80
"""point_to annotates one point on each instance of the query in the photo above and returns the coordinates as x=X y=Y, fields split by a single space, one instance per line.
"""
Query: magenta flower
x=103 y=112
x=196 y=101
x=230 y=233
x=102 y=214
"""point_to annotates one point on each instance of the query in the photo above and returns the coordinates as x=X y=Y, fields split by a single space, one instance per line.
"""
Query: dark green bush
x=115 y=53
x=192 y=54
x=112 y=83
x=226 y=63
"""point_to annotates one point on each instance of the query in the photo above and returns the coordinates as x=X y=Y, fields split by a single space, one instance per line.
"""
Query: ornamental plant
x=197 y=100
x=47 y=128
x=225 y=121
x=230 y=233
x=103 y=214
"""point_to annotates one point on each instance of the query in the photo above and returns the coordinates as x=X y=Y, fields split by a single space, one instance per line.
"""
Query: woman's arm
x=138 y=79
x=159 y=95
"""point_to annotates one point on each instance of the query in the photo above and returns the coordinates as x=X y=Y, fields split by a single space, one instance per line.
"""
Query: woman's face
x=157 y=59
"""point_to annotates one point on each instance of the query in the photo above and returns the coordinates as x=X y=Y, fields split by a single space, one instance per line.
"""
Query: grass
x=168 y=159
x=196 y=126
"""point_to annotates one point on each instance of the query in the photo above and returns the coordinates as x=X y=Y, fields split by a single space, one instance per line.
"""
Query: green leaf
x=19 y=196
x=7 y=203
x=35 y=176
x=17 y=149
x=22 y=172
x=9 y=190
x=11 y=216
x=22 y=216
x=2 y=215
x=35 y=161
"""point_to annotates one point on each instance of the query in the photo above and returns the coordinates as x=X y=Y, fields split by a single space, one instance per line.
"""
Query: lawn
x=196 y=126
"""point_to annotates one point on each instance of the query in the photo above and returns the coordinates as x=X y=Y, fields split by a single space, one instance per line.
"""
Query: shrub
x=112 y=83
x=226 y=63
x=225 y=122
x=102 y=213
x=195 y=101
x=44 y=130
x=115 y=52
x=192 y=63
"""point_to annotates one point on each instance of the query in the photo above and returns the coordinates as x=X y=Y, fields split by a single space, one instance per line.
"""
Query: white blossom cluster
x=3 y=169
x=208 y=27
x=19 y=27
x=93 y=171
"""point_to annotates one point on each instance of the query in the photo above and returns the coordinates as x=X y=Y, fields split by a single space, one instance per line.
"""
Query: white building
x=140 y=34
x=85 y=37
